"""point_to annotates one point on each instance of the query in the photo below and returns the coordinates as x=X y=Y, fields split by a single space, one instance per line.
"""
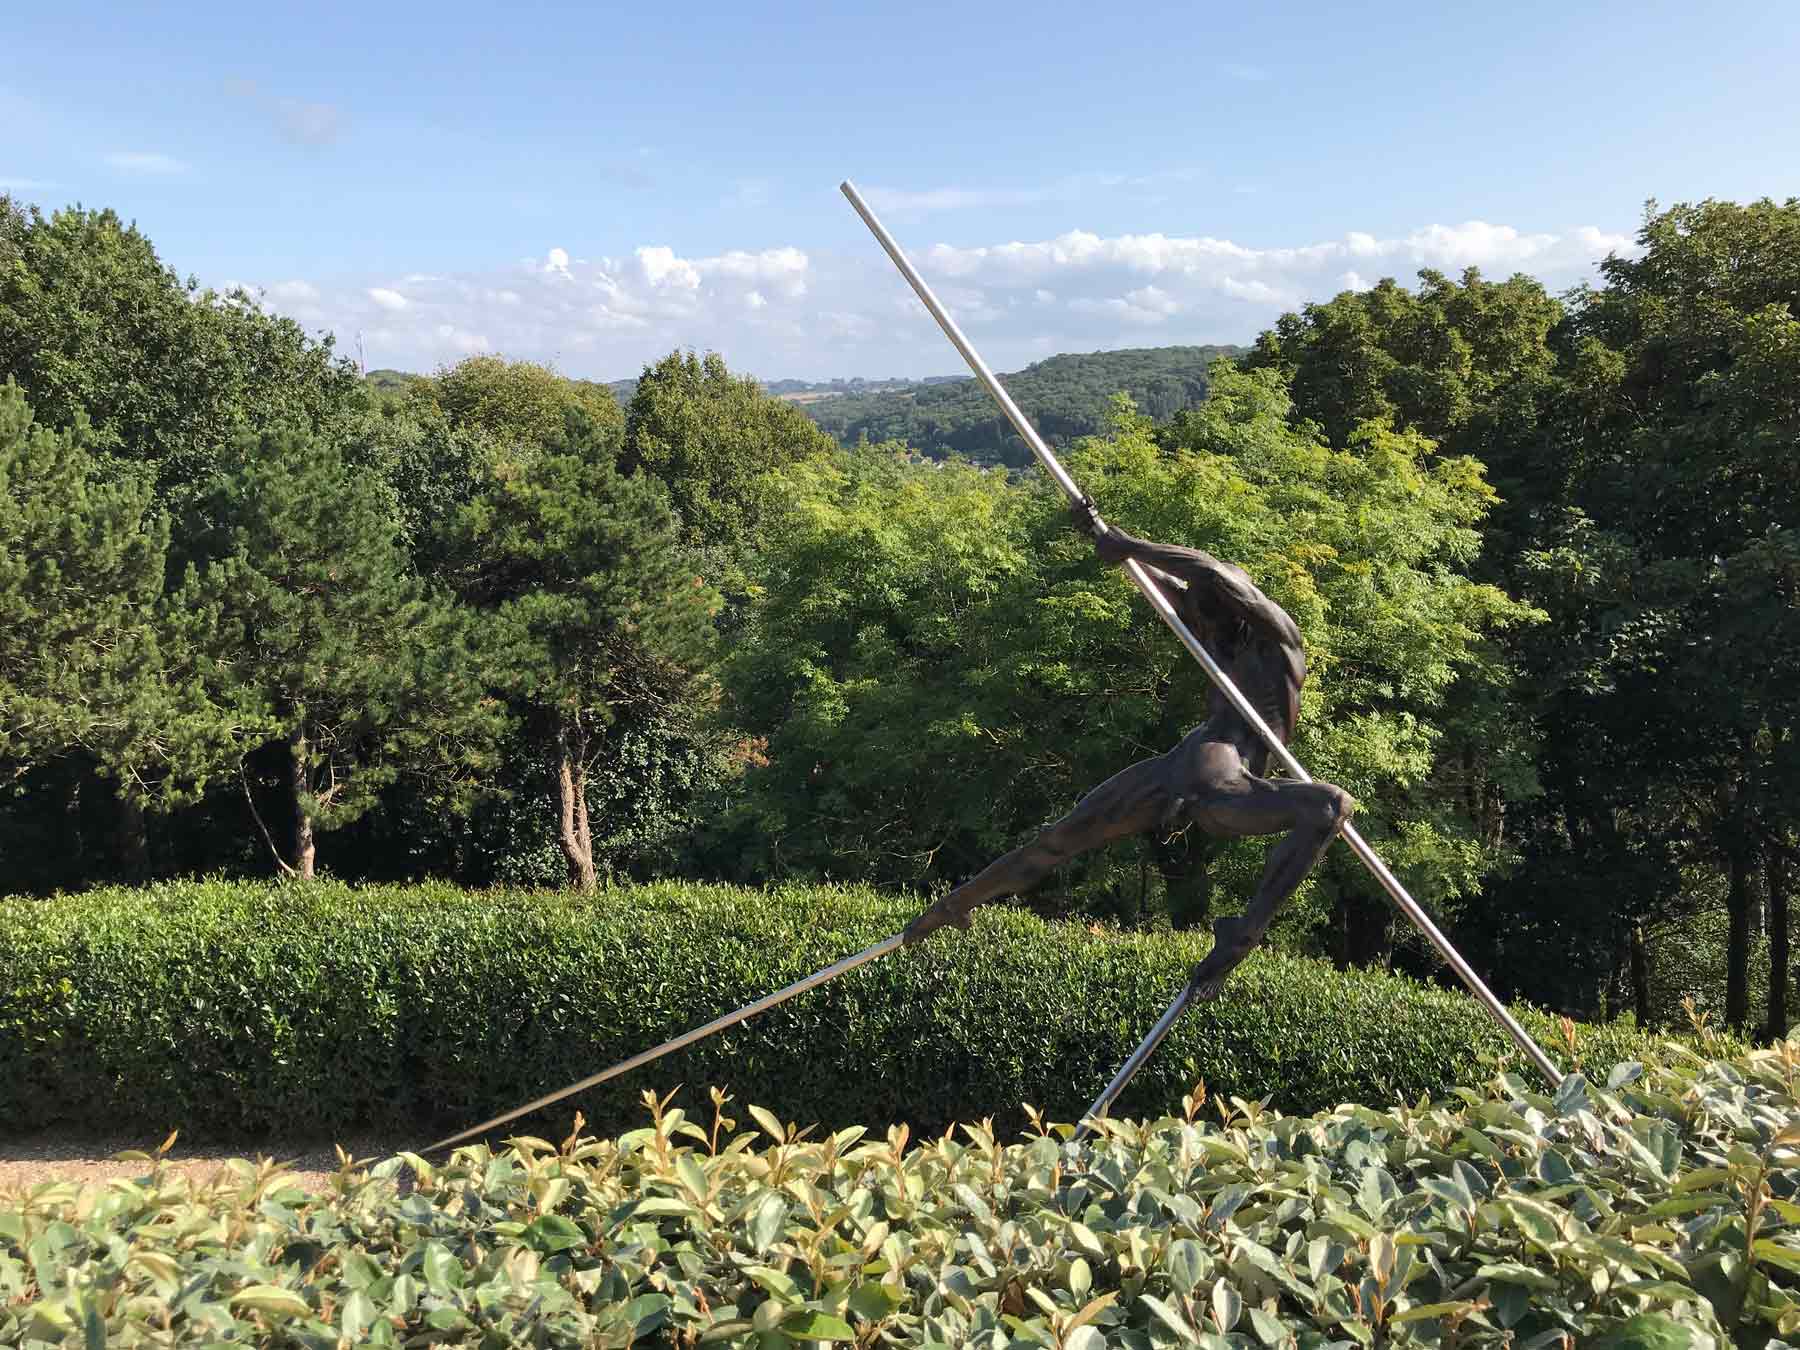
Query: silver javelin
x=730 y=1019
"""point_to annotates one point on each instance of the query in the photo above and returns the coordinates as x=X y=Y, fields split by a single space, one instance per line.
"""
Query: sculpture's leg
x=1130 y=802
x=1311 y=814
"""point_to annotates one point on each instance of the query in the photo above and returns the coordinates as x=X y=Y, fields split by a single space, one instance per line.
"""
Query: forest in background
x=491 y=625
x=1066 y=397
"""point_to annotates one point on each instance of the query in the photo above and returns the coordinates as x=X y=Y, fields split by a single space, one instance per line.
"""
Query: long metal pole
x=1166 y=611
x=749 y=1010
x=1137 y=1059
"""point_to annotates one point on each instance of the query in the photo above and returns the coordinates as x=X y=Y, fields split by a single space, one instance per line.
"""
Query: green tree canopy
x=312 y=624
x=1675 y=559
x=712 y=439
x=942 y=665
x=82 y=632
x=598 y=612
x=93 y=323
x=520 y=405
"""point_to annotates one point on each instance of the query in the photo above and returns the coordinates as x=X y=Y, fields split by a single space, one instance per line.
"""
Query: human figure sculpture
x=1213 y=778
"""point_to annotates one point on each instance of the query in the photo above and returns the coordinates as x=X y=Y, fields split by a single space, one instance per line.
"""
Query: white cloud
x=294 y=292
x=661 y=268
x=25 y=185
x=781 y=311
x=459 y=340
x=149 y=162
x=1599 y=243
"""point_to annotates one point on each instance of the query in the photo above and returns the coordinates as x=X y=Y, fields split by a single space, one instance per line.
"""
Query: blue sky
x=594 y=185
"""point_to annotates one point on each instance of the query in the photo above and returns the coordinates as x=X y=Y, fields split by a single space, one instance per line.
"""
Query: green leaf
x=1381 y=1256
x=774 y=1282
x=1646 y=1331
x=811 y=1325
x=442 y=1271
x=357 y=1315
x=1510 y=1272
x=552 y=1233
x=874 y=1302
x=271 y=1299
x=1171 y=1319
x=1081 y=1278
x=659 y=1206
x=768 y=1221
x=771 y=1123
x=647 y=1312
x=1777 y=1254
x=1268 y=1330
x=1185 y=1261
x=1227 y=1305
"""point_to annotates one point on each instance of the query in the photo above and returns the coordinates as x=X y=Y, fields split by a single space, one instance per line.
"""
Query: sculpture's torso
x=1267 y=666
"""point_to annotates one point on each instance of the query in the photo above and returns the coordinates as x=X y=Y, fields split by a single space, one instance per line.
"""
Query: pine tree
x=314 y=628
x=594 y=604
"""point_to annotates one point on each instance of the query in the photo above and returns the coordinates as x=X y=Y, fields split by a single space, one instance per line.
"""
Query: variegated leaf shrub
x=225 y=1009
x=1656 y=1211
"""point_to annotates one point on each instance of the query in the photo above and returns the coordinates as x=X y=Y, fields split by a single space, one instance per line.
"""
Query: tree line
x=1066 y=398
x=257 y=614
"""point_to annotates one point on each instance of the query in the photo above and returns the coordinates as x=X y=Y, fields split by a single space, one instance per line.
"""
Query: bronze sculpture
x=1212 y=778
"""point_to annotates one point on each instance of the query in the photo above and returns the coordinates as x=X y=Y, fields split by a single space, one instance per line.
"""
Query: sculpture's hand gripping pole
x=1166 y=612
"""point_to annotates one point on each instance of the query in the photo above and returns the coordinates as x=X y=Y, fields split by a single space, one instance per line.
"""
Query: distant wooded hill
x=1065 y=396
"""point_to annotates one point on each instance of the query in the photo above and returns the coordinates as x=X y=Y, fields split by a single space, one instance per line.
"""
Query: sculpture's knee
x=1333 y=809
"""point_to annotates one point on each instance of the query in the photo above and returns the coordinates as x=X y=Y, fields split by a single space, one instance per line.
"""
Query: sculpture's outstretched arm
x=1218 y=587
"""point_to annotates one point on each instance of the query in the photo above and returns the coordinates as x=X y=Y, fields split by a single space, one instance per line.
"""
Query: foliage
x=1656 y=1212
x=1640 y=433
x=1466 y=363
x=1670 y=568
x=712 y=439
x=1066 y=397
x=238 y=1008
x=942 y=665
x=577 y=572
x=93 y=323
x=305 y=616
x=82 y=645
x=520 y=405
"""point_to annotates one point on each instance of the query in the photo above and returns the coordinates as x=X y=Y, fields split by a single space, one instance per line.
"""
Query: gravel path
x=33 y=1159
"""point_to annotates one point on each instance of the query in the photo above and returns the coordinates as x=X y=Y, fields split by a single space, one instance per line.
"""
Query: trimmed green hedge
x=229 y=1009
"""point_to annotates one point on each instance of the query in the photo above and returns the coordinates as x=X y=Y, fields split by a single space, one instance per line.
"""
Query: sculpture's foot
x=945 y=911
x=1233 y=940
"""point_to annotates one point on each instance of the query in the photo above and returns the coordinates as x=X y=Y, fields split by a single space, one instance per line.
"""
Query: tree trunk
x=300 y=785
x=1640 y=976
x=1186 y=870
x=131 y=841
x=73 y=836
x=1737 y=955
x=569 y=775
x=1775 y=877
x=1361 y=935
